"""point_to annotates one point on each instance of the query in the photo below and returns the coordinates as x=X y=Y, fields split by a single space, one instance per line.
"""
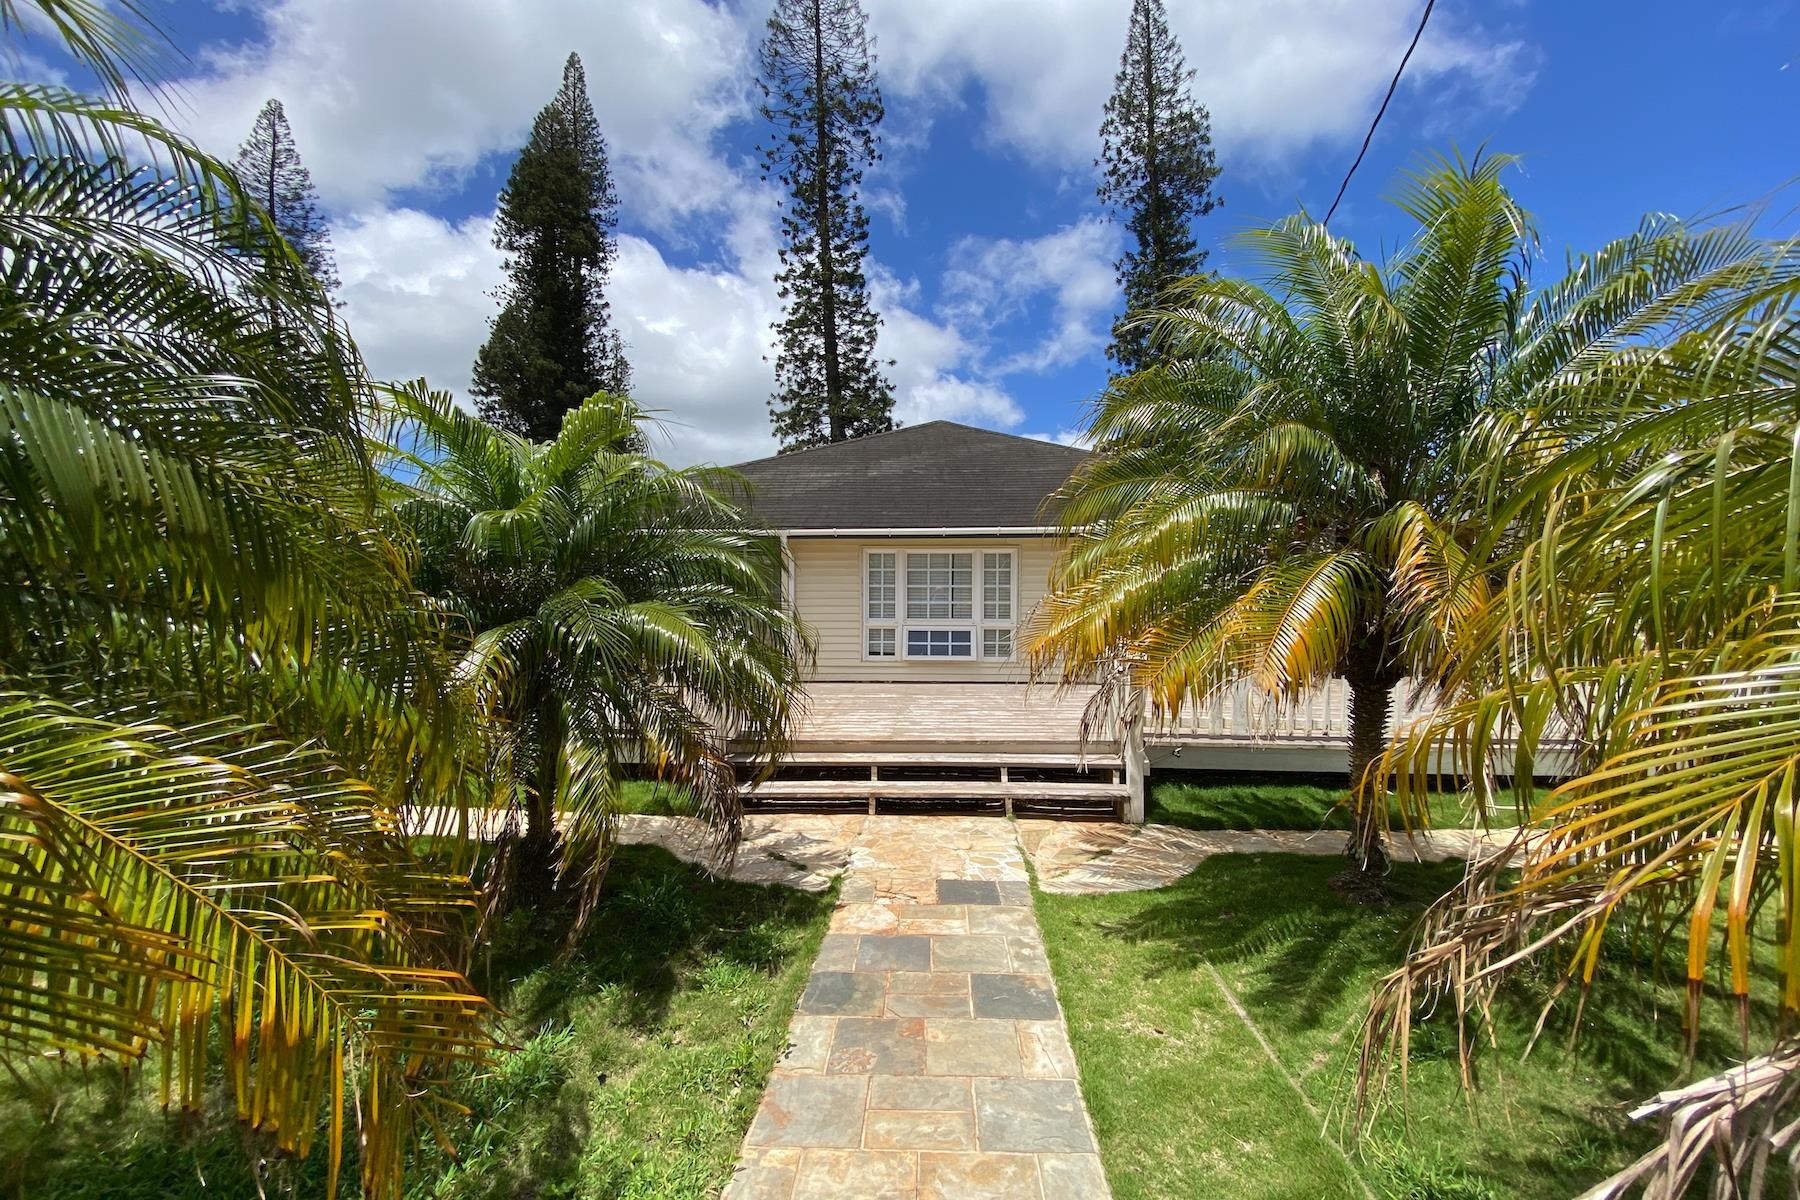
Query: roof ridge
x=790 y=455
x=867 y=437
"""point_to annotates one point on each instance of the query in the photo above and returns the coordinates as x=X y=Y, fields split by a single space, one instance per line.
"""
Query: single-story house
x=917 y=557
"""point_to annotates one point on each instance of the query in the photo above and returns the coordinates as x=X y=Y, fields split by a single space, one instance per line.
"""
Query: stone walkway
x=928 y=1059
x=797 y=850
x=807 y=851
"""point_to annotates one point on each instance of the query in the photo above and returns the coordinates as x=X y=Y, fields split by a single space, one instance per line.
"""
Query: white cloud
x=933 y=362
x=992 y=281
x=1080 y=438
x=417 y=291
x=1277 y=75
x=414 y=94
x=397 y=93
x=701 y=352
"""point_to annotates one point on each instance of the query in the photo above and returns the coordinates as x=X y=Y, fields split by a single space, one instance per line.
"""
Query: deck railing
x=1244 y=712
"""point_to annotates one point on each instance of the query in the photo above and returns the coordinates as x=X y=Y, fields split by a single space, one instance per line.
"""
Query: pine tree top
x=817 y=74
x=1156 y=170
x=268 y=164
x=813 y=51
x=550 y=346
x=561 y=180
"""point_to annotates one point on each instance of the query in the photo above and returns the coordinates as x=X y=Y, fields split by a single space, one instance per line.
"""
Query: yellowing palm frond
x=200 y=576
x=155 y=877
x=1647 y=638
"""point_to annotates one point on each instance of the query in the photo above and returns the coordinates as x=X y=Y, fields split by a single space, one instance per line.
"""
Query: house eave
x=928 y=531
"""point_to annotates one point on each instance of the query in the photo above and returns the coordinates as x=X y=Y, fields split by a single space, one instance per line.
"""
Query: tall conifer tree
x=1156 y=169
x=819 y=94
x=549 y=348
x=269 y=166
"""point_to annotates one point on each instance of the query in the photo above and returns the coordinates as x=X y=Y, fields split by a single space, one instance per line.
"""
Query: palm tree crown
x=217 y=691
x=1283 y=500
x=619 y=615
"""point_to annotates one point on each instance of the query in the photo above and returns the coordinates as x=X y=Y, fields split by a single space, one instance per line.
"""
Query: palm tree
x=1650 y=621
x=619 y=614
x=216 y=688
x=1283 y=500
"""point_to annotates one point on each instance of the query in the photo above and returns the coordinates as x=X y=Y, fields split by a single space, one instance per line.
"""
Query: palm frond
x=155 y=877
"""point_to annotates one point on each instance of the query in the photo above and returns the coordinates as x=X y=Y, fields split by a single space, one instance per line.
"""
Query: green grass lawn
x=652 y=798
x=641 y=1062
x=1215 y=802
x=1187 y=1103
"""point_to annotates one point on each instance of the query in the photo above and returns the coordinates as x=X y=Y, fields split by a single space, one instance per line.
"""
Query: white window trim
x=868 y=623
x=901 y=624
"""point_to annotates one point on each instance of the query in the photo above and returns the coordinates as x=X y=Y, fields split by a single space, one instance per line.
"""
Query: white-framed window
x=996 y=586
x=880 y=629
x=939 y=643
x=923 y=603
x=939 y=585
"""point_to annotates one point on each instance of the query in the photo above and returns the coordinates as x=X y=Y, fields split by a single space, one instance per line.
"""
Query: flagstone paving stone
x=810 y=1110
x=928 y=1057
x=980 y=1177
x=970 y=954
x=869 y=1045
x=967 y=891
x=1014 y=997
x=842 y=994
x=898 y=952
x=928 y=1004
x=1031 y=1116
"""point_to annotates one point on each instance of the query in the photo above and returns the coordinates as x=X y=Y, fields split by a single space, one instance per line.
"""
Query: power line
x=1417 y=34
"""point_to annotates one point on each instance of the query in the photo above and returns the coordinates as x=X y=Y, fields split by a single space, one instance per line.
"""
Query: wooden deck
x=985 y=747
x=989 y=718
x=1008 y=747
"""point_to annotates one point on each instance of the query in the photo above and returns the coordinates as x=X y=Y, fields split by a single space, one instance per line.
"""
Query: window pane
x=940 y=643
x=996 y=643
x=996 y=586
x=881 y=587
x=940 y=586
x=881 y=643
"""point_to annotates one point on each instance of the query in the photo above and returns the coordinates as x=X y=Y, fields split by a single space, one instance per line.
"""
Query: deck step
x=933 y=788
x=941 y=758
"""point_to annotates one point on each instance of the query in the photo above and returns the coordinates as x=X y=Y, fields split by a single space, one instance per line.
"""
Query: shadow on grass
x=1303 y=961
x=1197 y=799
x=639 y=1060
x=656 y=920
x=1311 y=945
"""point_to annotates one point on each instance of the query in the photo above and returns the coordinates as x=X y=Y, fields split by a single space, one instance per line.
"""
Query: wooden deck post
x=1137 y=763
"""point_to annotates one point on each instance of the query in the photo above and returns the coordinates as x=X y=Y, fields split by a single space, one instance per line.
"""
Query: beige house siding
x=827 y=588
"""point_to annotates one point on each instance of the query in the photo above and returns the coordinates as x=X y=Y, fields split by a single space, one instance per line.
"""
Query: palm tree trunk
x=1372 y=676
x=536 y=874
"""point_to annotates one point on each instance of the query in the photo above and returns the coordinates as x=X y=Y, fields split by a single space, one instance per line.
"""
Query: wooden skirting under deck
x=985 y=747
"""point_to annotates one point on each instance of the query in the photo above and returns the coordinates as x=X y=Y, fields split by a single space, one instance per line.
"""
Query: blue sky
x=991 y=257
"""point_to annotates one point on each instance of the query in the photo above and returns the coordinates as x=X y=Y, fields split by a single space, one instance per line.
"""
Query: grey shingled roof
x=939 y=475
